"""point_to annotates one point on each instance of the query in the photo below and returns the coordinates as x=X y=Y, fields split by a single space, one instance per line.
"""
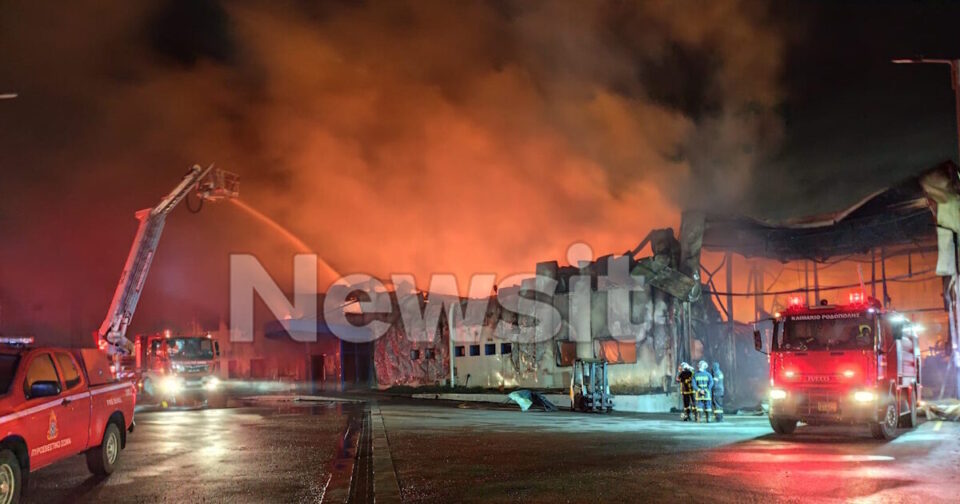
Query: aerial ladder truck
x=211 y=184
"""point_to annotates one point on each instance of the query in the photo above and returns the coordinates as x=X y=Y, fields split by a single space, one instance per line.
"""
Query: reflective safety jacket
x=718 y=383
x=702 y=384
x=686 y=381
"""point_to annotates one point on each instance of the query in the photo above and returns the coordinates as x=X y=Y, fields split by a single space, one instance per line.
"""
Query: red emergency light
x=856 y=297
x=795 y=301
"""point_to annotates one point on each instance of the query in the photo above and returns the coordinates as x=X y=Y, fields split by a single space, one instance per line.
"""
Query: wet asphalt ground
x=237 y=455
x=479 y=455
x=445 y=452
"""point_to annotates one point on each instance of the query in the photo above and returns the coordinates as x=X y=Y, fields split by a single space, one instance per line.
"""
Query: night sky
x=854 y=122
x=435 y=136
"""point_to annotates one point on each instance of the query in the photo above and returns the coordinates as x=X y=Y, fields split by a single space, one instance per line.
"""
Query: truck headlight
x=864 y=396
x=778 y=394
x=212 y=384
x=177 y=368
x=171 y=385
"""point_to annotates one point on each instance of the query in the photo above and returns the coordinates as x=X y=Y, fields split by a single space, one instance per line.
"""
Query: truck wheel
x=910 y=421
x=783 y=425
x=886 y=428
x=102 y=460
x=11 y=478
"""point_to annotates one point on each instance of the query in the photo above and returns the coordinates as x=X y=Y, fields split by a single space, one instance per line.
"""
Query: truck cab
x=843 y=364
x=176 y=369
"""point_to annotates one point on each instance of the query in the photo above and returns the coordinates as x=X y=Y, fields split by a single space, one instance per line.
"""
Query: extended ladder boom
x=114 y=327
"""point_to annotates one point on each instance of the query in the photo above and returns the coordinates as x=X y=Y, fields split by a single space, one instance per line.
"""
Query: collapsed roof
x=916 y=212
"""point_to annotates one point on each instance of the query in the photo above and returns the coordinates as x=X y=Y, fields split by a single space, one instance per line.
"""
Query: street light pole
x=954 y=65
x=451 y=334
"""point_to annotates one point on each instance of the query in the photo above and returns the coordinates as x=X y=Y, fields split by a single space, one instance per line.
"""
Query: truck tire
x=783 y=425
x=102 y=460
x=11 y=478
x=886 y=428
x=910 y=421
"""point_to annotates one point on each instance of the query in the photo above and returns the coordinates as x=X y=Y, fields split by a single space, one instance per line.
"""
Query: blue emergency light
x=20 y=341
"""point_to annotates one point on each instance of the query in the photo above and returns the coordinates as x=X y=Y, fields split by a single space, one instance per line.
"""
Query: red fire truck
x=177 y=369
x=56 y=403
x=843 y=364
x=210 y=185
x=165 y=367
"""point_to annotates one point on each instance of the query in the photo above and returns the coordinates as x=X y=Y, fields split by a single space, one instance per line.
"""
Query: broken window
x=430 y=353
x=414 y=354
x=566 y=353
x=616 y=352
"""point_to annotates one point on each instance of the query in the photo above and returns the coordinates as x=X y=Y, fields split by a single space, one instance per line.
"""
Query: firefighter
x=685 y=379
x=717 y=392
x=702 y=383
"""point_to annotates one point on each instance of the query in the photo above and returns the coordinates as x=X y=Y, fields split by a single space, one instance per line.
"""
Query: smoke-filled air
x=389 y=136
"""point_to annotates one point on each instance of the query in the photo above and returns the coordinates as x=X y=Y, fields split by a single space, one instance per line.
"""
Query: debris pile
x=527 y=398
x=941 y=410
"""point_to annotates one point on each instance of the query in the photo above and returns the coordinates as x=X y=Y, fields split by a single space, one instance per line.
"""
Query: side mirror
x=44 y=389
x=758 y=341
x=898 y=331
x=216 y=348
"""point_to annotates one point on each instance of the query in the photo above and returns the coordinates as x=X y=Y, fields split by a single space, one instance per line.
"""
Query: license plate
x=827 y=407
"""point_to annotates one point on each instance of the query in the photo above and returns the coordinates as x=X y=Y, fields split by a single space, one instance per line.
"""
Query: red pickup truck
x=56 y=403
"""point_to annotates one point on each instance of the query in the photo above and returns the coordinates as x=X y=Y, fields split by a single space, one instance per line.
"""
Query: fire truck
x=177 y=369
x=210 y=185
x=843 y=364
x=164 y=367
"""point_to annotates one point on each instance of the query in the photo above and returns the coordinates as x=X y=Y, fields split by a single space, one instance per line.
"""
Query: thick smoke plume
x=395 y=136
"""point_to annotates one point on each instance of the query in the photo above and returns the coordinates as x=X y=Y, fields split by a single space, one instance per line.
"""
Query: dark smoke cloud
x=392 y=136
x=187 y=31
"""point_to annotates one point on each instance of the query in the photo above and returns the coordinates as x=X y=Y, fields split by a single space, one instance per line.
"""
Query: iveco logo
x=818 y=378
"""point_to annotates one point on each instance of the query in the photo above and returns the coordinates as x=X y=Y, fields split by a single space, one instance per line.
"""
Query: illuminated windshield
x=827 y=331
x=190 y=348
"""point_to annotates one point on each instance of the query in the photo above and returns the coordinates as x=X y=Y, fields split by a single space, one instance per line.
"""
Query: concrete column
x=955 y=337
x=954 y=309
x=580 y=311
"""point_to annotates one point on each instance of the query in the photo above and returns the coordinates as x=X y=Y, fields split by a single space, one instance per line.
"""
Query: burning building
x=671 y=314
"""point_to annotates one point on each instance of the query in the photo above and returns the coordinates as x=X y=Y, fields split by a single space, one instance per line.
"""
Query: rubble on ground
x=527 y=398
x=941 y=410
